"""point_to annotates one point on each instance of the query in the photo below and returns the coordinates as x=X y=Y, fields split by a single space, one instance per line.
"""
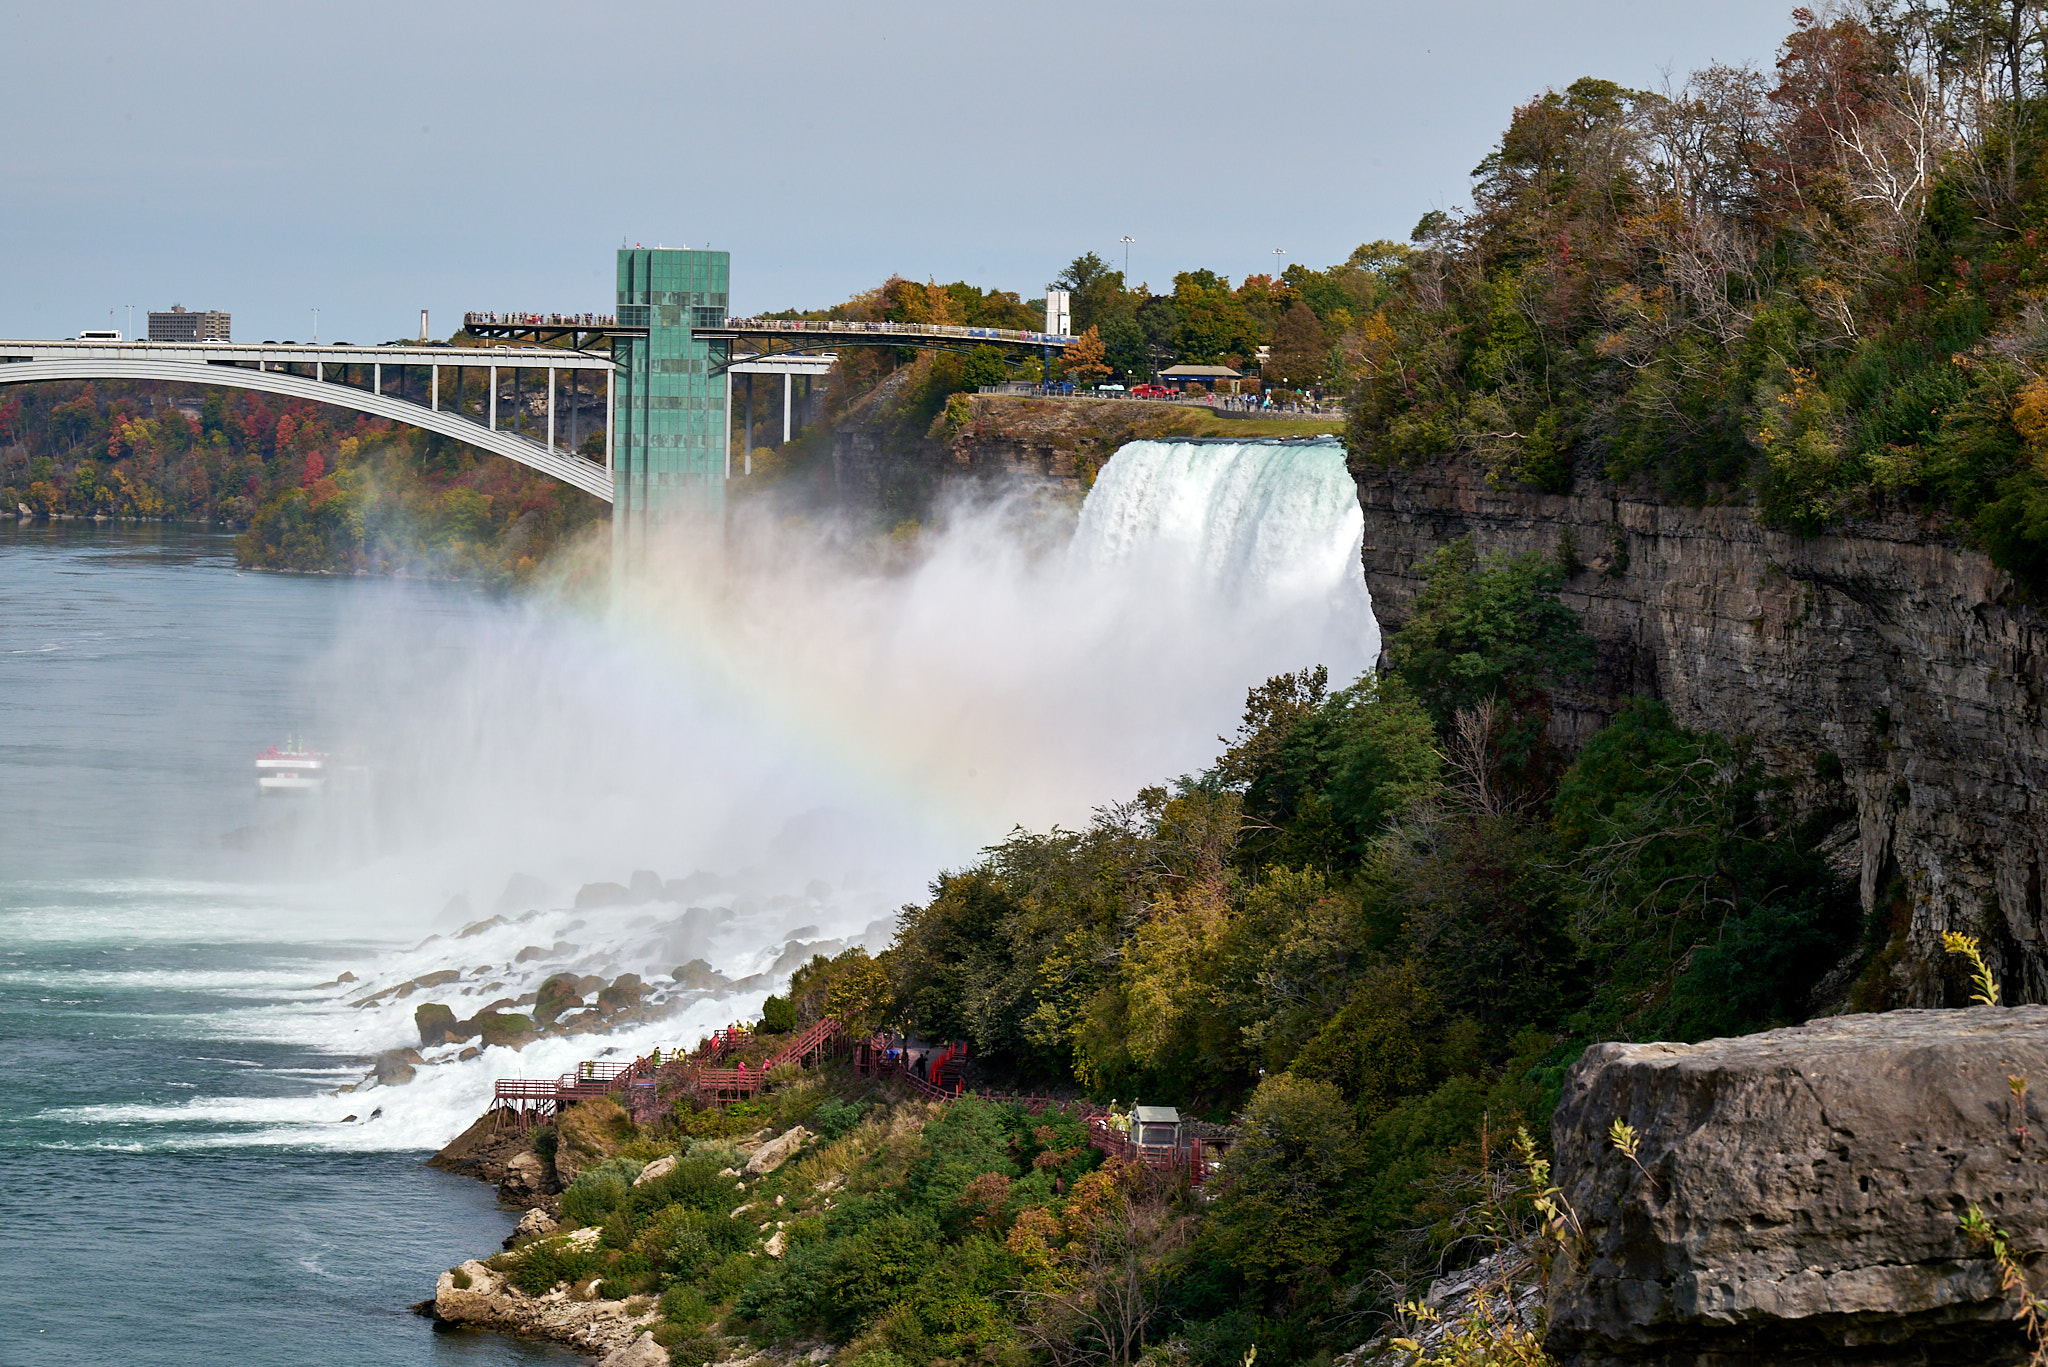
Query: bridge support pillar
x=494 y=398
x=788 y=392
x=434 y=388
x=551 y=408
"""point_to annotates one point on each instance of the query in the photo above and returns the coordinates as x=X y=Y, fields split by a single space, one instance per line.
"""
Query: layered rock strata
x=1795 y=1196
x=1885 y=667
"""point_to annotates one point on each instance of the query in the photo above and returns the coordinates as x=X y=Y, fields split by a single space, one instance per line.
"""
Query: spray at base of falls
x=826 y=732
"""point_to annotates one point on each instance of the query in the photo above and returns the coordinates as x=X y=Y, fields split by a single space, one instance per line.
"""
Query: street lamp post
x=316 y=327
x=1128 y=240
x=1278 y=252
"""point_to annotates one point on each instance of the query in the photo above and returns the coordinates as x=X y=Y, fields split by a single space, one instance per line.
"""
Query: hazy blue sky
x=372 y=159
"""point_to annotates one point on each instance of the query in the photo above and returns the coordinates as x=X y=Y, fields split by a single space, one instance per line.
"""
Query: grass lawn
x=1310 y=425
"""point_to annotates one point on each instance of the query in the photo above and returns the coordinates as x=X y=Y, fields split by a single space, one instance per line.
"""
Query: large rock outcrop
x=1795 y=1194
x=474 y=1295
x=1888 y=649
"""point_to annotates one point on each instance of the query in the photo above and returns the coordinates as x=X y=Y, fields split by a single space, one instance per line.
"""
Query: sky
x=372 y=159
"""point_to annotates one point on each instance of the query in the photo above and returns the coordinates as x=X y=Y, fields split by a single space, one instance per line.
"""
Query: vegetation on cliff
x=1821 y=287
x=1379 y=926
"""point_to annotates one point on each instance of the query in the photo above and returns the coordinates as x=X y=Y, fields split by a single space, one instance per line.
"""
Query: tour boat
x=290 y=770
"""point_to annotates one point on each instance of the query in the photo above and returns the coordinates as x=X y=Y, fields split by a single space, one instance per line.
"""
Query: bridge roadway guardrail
x=757 y=326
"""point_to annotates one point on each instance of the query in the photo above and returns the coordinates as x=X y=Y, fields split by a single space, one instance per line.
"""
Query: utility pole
x=316 y=327
x=1128 y=240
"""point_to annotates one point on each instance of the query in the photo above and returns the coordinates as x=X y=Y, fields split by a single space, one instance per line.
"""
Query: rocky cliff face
x=1887 y=653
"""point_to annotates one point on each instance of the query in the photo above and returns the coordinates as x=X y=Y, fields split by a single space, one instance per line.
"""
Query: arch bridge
x=400 y=383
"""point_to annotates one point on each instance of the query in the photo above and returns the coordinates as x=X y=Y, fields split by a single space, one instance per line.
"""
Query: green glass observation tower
x=669 y=437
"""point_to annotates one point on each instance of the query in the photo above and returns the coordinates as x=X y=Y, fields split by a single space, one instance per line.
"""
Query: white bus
x=99 y=335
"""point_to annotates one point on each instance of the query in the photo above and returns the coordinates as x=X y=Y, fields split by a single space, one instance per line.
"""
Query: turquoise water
x=145 y=968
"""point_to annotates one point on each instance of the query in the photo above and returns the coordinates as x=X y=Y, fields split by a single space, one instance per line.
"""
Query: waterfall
x=1264 y=534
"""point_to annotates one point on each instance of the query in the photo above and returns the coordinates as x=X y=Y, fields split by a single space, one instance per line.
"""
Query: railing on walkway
x=565 y=320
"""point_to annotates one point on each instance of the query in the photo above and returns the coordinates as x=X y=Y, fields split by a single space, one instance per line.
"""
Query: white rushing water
x=822 y=735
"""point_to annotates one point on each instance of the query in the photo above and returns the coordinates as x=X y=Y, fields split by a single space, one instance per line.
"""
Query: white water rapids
x=821 y=735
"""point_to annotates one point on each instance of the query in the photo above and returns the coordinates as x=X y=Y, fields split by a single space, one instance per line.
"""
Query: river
x=139 y=673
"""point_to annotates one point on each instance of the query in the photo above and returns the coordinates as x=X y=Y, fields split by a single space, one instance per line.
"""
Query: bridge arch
x=590 y=477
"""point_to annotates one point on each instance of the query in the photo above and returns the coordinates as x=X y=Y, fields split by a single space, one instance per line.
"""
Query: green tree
x=1488 y=627
x=1288 y=1210
x=1299 y=349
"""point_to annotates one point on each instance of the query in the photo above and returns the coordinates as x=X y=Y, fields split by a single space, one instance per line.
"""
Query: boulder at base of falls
x=438 y=1025
x=623 y=994
x=601 y=895
x=1795 y=1194
x=394 y=1067
x=522 y=890
x=508 y=1028
x=698 y=976
x=555 y=995
x=644 y=886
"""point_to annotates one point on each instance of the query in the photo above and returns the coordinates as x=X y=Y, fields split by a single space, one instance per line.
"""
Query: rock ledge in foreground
x=1800 y=1192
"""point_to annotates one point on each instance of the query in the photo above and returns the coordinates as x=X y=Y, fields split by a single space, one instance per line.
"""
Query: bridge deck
x=303 y=353
x=846 y=332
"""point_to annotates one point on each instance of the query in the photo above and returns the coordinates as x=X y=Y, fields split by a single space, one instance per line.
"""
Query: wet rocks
x=699 y=976
x=438 y=1025
x=479 y=927
x=522 y=890
x=1797 y=1193
x=592 y=895
x=555 y=995
x=394 y=1067
x=507 y=1028
x=623 y=994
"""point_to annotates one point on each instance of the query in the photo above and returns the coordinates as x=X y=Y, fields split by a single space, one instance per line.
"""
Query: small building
x=181 y=326
x=1211 y=375
x=1155 y=1127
